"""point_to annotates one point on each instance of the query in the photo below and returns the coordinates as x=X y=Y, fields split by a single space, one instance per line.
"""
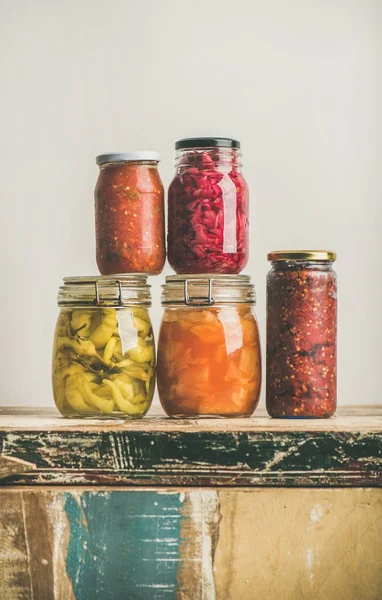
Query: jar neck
x=302 y=265
x=207 y=290
x=209 y=159
x=105 y=291
x=226 y=305
x=153 y=164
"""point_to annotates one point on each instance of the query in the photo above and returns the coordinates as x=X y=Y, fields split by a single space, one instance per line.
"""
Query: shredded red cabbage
x=208 y=219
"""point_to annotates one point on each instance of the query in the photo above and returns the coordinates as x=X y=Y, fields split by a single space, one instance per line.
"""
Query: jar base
x=309 y=417
x=228 y=416
x=104 y=417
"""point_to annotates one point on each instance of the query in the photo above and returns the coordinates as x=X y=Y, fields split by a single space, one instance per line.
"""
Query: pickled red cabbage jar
x=209 y=362
x=104 y=354
x=129 y=214
x=301 y=334
x=208 y=208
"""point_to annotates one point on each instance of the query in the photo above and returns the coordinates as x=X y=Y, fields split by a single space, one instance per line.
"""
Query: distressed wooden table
x=191 y=510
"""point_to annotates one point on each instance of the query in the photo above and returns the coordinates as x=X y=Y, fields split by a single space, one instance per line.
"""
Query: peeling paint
x=62 y=584
x=309 y=558
x=135 y=554
x=205 y=515
x=255 y=458
x=27 y=547
x=316 y=513
x=215 y=545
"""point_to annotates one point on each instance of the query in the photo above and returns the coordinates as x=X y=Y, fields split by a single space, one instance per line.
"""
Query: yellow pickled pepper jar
x=104 y=352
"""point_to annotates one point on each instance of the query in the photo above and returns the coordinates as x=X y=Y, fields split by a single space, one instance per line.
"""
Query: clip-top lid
x=105 y=290
x=208 y=289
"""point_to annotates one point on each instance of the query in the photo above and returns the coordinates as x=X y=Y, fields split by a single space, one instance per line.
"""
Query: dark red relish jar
x=208 y=208
x=301 y=334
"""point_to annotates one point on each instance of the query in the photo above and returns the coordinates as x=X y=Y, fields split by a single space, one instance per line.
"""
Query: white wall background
x=296 y=81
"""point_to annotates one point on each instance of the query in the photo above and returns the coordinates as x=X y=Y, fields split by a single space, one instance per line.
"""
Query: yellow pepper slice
x=81 y=322
x=103 y=332
x=80 y=347
x=143 y=327
x=105 y=405
x=142 y=352
x=109 y=349
x=74 y=396
x=123 y=403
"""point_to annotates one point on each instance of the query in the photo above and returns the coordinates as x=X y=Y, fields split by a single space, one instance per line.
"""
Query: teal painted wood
x=98 y=544
x=123 y=545
x=190 y=544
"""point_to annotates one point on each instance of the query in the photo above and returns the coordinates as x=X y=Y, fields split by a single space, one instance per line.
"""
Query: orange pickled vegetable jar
x=209 y=361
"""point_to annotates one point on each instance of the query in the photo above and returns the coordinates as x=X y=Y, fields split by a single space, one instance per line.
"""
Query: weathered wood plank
x=168 y=452
x=200 y=458
x=348 y=418
x=10 y=466
x=37 y=527
x=15 y=574
x=199 y=544
x=300 y=545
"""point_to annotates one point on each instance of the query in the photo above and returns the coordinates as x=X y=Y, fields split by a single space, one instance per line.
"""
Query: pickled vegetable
x=207 y=216
x=104 y=362
x=209 y=362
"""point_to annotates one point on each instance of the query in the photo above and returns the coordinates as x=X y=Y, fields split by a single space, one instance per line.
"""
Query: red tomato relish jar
x=208 y=208
x=129 y=214
x=301 y=334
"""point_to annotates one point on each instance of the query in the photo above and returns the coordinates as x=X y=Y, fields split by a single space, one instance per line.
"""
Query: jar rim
x=134 y=156
x=303 y=255
x=207 y=289
x=123 y=278
x=105 y=291
x=206 y=142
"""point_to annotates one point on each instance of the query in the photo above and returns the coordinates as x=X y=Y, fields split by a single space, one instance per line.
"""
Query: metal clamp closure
x=119 y=299
x=198 y=300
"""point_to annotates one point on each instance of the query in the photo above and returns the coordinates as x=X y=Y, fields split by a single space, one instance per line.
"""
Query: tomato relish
x=301 y=334
x=129 y=214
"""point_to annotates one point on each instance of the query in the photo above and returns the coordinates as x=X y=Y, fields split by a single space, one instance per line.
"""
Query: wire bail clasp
x=97 y=301
x=198 y=300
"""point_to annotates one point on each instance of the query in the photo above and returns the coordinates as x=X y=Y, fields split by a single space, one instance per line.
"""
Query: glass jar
x=104 y=355
x=129 y=214
x=209 y=362
x=301 y=334
x=208 y=208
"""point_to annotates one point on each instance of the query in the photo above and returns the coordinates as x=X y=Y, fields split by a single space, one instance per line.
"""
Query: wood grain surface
x=344 y=451
x=199 y=544
x=348 y=418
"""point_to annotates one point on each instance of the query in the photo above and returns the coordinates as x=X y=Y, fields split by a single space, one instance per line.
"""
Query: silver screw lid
x=136 y=155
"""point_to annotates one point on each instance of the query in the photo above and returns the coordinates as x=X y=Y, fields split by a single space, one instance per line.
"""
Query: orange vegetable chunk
x=209 y=361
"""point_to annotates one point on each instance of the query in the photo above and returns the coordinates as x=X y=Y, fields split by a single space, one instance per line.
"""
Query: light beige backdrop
x=296 y=82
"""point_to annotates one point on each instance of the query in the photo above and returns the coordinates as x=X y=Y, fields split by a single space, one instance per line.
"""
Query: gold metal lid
x=305 y=255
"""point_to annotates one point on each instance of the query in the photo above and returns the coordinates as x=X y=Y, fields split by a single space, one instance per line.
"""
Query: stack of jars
x=208 y=361
x=208 y=353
